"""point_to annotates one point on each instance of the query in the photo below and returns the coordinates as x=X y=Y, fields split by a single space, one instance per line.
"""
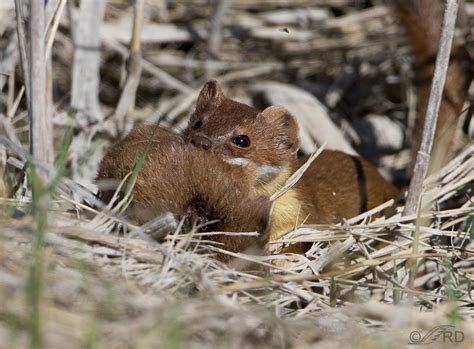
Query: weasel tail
x=422 y=20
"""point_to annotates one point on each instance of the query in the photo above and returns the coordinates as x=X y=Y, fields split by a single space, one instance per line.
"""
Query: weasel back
x=336 y=186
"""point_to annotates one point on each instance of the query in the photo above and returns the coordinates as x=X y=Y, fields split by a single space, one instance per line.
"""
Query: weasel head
x=242 y=135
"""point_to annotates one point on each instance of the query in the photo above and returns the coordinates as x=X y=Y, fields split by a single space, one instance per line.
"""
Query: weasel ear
x=285 y=125
x=211 y=92
x=274 y=114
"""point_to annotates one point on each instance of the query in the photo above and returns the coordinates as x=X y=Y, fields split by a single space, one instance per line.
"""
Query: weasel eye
x=242 y=141
x=197 y=124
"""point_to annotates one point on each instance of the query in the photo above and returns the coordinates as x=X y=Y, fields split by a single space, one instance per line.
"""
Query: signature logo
x=445 y=334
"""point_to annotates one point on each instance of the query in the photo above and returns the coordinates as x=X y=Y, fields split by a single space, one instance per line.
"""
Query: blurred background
x=345 y=61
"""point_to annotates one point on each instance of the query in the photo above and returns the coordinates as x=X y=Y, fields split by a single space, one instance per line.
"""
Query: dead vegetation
x=83 y=281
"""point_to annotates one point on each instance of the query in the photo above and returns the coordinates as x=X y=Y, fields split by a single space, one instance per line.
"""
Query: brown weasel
x=265 y=143
x=422 y=20
x=188 y=182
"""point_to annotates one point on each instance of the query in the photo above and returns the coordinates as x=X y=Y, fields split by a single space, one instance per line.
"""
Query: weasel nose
x=201 y=142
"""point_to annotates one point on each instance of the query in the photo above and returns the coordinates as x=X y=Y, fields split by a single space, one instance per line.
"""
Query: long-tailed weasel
x=265 y=143
x=190 y=183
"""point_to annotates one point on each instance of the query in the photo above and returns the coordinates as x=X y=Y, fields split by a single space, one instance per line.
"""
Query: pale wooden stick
x=85 y=87
x=215 y=36
x=41 y=139
x=53 y=26
x=124 y=111
x=86 y=62
x=436 y=93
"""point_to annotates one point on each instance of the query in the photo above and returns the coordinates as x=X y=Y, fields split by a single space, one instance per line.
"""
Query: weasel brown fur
x=335 y=186
x=188 y=182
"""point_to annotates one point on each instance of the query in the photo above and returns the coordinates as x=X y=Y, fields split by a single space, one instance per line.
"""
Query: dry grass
x=115 y=290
